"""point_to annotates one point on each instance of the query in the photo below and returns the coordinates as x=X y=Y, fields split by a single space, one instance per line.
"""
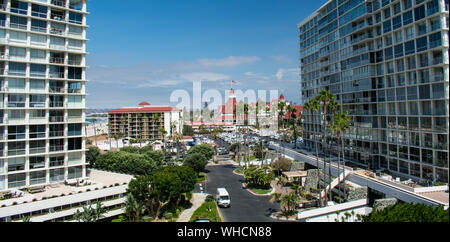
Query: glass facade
x=387 y=63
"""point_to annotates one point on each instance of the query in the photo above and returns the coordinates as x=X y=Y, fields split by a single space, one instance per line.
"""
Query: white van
x=223 y=198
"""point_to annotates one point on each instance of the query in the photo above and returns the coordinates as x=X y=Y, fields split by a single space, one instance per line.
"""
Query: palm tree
x=292 y=119
x=340 y=126
x=117 y=137
x=122 y=121
x=289 y=201
x=314 y=107
x=145 y=126
x=156 y=118
x=325 y=97
x=90 y=214
x=94 y=120
x=109 y=136
x=281 y=112
x=332 y=105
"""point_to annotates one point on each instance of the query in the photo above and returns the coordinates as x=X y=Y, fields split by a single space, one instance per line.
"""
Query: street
x=245 y=207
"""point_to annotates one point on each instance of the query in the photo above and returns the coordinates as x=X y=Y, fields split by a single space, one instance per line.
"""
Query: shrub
x=209 y=198
x=168 y=215
x=147 y=219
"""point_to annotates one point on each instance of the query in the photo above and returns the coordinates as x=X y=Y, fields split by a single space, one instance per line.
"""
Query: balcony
x=38 y=29
x=57 y=75
x=38 y=150
x=16 y=152
x=59 y=3
x=57 y=133
x=56 y=119
x=37 y=104
x=74 y=91
x=56 y=148
x=56 y=104
x=18 y=26
x=16 y=104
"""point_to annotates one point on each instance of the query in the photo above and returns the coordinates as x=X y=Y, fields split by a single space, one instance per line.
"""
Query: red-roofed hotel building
x=145 y=121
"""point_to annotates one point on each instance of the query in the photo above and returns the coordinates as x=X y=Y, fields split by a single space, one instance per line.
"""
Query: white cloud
x=230 y=61
x=281 y=58
x=204 y=76
x=282 y=73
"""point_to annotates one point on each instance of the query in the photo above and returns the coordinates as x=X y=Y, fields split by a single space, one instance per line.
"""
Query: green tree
x=313 y=105
x=188 y=130
x=91 y=155
x=408 y=212
x=130 y=149
x=91 y=214
x=196 y=161
x=340 y=126
x=156 y=156
x=204 y=149
x=282 y=165
x=289 y=202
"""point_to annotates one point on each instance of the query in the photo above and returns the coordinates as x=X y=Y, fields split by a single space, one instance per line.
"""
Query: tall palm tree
x=332 y=105
x=340 y=126
x=281 y=112
x=293 y=119
x=123 y=121
x=117 y=137
x=109 y=135
x=156 y=118
x=325 y=97
x=94 y=120
x=314 y=106
x=145 y=126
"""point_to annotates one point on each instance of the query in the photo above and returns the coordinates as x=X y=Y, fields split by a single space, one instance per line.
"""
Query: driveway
x=245 y=207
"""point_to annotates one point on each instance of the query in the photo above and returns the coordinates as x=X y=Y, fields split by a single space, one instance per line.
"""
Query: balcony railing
x=37 y=74
x=19 y=11
x=56 y=89
x=57 y=60
x=38 y=14
x=18 y=26
x=59 y=75
x=57 y=31
x=57 y=104
x=16 y=152
x=56 y=148
x=38 y=29
x=59 y=3
x=38 y=150
x=56 y=119
x=16 y=104
x=74 y=62
x=37 y=104
x=71 y=90
x=59 y=133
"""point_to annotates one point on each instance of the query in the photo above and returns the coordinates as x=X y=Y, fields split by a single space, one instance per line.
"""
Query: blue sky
x=144 y=50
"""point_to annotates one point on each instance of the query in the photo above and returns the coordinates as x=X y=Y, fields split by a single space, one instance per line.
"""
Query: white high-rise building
x=42 y=98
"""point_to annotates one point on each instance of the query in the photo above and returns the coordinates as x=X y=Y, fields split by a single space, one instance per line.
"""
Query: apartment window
x=37 y=131
x=16 y=180
x=37 y=162
x=16 y=53
x=17 y=69
x=397 y=8
x=75 y=143
x=19 y=7
x=16 y=100
x=16 y=85
x=388 y=54
x=397 y=22
x=37 y=55
x=57 y=175
x=438 y=90
x=75 y=44
x=426 y=108
x=17 y=37
x=409 y=33
x=75 y=73
x=407 y=17
x=37 y=114
x=16 y=114
x=435 y=24
x=38 y=26
x=37 y=70
x=75 y=172
x=74 y=101
x=56 y=161
x=37 y=147
x=16 y=148
x=75 y=158
x=387 y=26
x=37 y=177
x=413 y=108
x=38 y=39
x=18 y=22
x=75 y=30
x=435 y=40
x=56 y=130
x=39 y=11
x=413 y=123
x=424 y=92
x=407 y=4
x=75 y=18
x=398 y=50
x=412 y=93
x=74 y=129
x=439 y=107
x=37 y=85
x=398 y=36
x=419 y=13
x=16 y=132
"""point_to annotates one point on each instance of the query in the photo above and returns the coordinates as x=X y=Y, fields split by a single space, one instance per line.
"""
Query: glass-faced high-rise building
x=42 y=98
x=387 y=62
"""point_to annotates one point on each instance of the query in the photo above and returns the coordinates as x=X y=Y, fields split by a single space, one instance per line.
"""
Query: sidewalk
x=198 y=200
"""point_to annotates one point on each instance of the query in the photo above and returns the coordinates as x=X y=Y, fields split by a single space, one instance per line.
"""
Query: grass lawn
x=201 y=177
x=203 y=213
x=261 y=191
